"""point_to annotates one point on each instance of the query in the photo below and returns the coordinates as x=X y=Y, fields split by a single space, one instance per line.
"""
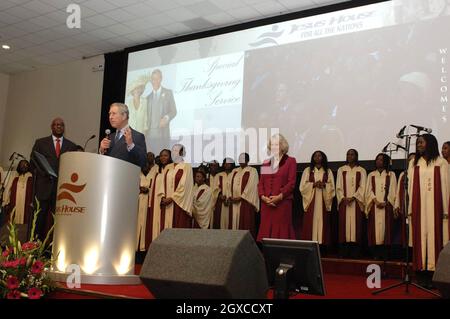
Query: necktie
x=58 y=147
x=117 y=135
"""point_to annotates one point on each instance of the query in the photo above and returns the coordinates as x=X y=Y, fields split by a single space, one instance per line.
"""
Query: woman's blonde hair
x=284 y=145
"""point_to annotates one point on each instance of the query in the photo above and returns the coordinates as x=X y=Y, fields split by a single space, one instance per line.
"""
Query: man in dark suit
x=161 y=109
x=51 y=147
x=125 y=144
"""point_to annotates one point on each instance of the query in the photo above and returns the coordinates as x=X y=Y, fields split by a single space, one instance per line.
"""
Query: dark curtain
x=114 y=82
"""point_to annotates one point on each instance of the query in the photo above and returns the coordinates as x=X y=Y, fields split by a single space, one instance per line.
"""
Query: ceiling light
x=6 y=47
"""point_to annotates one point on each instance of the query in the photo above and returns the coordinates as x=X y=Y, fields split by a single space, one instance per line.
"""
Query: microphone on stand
x=90 y=138
x=400 y=133
x=421 y=128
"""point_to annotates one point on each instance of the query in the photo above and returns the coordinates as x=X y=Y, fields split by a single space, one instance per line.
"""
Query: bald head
x=58 y=127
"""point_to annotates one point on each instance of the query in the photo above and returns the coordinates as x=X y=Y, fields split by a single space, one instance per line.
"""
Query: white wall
x=71 y=91
x=4 y=84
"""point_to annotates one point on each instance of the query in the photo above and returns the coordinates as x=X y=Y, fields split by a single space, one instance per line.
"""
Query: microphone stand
x=390 y=151
x=406 y=278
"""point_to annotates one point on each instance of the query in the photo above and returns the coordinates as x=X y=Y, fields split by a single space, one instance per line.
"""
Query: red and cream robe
x=317 y=204
x=202 y=206
x=146 y=181
x=244 y=184
x=226 y=213
x=20 y=197
x=428 y=206
x=180 y=187
x=156 y=218
x=382 y=187
x=400 y=206
x=215 y=184
x=351 y=182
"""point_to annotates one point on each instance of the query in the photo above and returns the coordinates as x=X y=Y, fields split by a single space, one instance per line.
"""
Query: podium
x=96 y=219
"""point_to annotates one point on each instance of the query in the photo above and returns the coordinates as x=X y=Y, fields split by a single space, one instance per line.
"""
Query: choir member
x=379 y=202
x=179 y=196
x=225 y=193
x=20 y=195
x=156 y=217
x=446 y=155
x=203 y=201
x=399 y=206
x=350 y=190
x=428 y=206
x=275 y=188
x=317 y=190
x=446 y=151
x=244 y=197
x=147 y=177
x=215 y=181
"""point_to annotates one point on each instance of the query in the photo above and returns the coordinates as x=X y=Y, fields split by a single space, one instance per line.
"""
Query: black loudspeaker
x=441 y=277
x=203 y=263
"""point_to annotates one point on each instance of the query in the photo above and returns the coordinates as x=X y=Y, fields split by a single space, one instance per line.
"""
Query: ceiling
x=37 y=33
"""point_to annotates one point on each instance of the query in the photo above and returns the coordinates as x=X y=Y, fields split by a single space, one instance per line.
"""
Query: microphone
x=12 y=155
x=400 y=133
x=384 y=150
x=421 y=128
x=107 y=132
x=92 y=136
x=21 y=156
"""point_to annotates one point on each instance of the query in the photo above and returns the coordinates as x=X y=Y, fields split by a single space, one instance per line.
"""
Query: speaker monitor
x=201 y=263
x=441 y=277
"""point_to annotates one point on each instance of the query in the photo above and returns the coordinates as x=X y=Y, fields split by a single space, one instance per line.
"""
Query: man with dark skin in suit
x=51 y=147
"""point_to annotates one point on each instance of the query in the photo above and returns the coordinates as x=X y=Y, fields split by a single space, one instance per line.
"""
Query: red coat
x=276 y=222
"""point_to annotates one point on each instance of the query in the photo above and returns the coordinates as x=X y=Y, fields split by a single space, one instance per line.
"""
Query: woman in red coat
x=275 y=188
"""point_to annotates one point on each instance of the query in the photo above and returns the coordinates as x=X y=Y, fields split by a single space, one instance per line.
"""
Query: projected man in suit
x=51 y=147
x=126 y=143
x=161 y=109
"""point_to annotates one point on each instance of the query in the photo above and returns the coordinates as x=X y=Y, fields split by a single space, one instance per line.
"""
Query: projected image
x=340 y=80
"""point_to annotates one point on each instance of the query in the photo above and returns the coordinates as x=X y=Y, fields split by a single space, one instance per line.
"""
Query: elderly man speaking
x=126 y=143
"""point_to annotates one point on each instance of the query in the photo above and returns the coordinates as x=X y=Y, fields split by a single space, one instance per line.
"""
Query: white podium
x=96 y=219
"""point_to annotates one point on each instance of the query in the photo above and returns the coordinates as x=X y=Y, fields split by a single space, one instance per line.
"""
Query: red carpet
x=344 y=279
x=337 y=287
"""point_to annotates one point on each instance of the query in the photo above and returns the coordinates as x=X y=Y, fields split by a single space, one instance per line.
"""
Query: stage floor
x=344 y=279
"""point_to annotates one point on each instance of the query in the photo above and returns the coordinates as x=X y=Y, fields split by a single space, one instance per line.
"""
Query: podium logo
x=68 y=191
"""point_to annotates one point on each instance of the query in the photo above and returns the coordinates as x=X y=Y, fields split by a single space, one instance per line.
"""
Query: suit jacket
x=168 y=108
x=137 y=156
x=45 y=188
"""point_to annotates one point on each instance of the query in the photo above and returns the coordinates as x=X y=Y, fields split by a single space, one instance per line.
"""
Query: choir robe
x=215 y=182
x=351 y=182
x=276 y=222
x=226 y=212
x=382 y=187
x=20 y=197
x=400 y=206
x=2 y=176
x=180 y=187
x=317 y=205
x=143 y=206
x=244 y=184
x=157 y=212
x=428 y=206
x=202 y=206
